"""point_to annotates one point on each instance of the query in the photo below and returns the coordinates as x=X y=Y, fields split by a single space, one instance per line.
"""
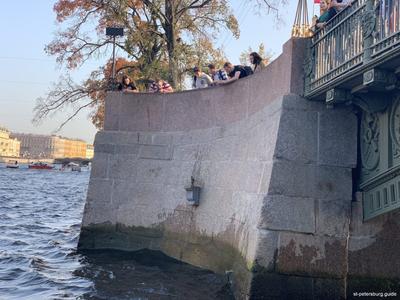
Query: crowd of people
x=215 y=76
x=230 y=72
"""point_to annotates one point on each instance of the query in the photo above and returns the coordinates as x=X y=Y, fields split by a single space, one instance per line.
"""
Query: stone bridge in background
x=296 y=199
x=355 y=60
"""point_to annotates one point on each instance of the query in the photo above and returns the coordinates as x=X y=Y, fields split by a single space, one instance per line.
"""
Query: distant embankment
x=82 y=161
x=25 y=160
x=275 y=176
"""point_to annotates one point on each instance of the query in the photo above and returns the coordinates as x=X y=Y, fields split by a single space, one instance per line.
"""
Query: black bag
x=244 y=71
x=249 y=70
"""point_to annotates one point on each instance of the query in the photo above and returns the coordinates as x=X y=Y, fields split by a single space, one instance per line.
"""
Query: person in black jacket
x=235 y=72
x=127 y=85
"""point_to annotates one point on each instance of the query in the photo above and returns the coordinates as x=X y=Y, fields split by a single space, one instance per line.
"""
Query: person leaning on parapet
x=257 y=62
x=200 y=80
x=327 y=13
x=217 y=75
x=160 y=86
x=127 y=86
x=235 y=72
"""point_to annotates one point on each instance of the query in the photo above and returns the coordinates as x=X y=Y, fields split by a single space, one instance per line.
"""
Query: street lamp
x=114 y=32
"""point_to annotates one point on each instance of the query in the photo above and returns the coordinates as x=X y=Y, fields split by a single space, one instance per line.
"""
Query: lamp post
x=114 y=32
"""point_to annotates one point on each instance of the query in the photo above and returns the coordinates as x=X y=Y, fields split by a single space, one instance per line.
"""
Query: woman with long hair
x=127 y=85
x=257 y=62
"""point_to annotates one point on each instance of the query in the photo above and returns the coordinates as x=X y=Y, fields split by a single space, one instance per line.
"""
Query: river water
x=40 y=215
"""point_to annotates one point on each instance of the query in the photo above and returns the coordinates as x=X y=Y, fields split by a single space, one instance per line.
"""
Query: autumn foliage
x=163 y=38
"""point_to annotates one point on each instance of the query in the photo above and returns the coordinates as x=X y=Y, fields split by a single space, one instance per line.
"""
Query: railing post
x=368 y=27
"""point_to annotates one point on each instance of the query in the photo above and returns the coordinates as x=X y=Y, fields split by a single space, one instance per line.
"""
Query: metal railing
x=364 y=31
x=387 y=33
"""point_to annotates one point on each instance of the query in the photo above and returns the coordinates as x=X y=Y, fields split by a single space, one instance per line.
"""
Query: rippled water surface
x=40 y=215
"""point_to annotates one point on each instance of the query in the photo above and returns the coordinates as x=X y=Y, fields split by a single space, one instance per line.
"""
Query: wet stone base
x=287 y=287
x=147 y=274
x=221 y=258
x=202 y=251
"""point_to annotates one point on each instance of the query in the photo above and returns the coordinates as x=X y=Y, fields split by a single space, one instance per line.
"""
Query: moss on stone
x=194 y=248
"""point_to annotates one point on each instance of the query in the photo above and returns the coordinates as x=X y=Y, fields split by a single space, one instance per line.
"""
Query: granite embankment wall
x=373 y=252
x=276 y=178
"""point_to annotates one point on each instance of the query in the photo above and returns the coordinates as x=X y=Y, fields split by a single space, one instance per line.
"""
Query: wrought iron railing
x=364 y=31
x=387 y=33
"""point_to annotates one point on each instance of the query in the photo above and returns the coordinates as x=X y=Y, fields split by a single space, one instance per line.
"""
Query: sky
x=27 y=72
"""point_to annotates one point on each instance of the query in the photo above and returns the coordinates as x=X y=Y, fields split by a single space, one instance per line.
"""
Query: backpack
x=248 y=70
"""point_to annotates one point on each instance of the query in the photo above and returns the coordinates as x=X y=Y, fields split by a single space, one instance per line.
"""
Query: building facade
x=34 y=146
x=74 y=148
x=46 y=146
x=9 y=147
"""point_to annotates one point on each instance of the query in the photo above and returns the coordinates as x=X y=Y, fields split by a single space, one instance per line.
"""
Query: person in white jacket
x=201 y=80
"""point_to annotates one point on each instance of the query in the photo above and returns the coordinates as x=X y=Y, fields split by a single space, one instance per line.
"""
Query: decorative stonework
x=309 y=64
x=369 y=141
x=368 y=76
x=381 y=78
x=395 y=126
x=368 y=23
